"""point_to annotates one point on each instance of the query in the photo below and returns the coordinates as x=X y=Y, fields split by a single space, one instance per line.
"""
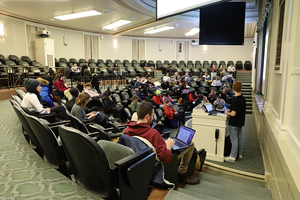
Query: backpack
x=173 y=123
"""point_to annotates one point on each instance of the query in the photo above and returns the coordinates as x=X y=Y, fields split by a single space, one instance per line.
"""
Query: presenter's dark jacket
x=238 y=104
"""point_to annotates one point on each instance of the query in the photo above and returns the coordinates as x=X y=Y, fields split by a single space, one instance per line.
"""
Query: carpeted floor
x=23 y=174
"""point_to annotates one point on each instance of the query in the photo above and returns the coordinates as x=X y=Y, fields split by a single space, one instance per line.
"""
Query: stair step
x=197 y=194
x=248 y=96
x=227 y=183
x=223 y=192
x=174 y=195
x=237 y=179
x=248 y=111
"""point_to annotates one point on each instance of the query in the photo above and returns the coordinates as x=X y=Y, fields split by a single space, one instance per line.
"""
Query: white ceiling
x=142 y=12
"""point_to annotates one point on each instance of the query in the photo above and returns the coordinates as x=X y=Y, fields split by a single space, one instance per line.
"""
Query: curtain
x=94 y=48
x=135 y=48
x=31 y=32
x=87 y=47
x=138 y=50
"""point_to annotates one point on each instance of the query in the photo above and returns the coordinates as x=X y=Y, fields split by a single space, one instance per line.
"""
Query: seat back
x=23 y=63
x=13 y=58
x=27 y=131
x=10 y=63
x=17 y=99
x=2 y=58
x=72 y=60
x=52 y=151
x=81 y=60
x=116 y=98
x=63 y=60
x=20 y=93
x=125 y=96
x=76 y=123
x=88 y=163
x=91 y=61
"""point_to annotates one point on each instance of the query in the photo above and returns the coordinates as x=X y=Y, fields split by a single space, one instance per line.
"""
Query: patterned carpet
x=252 y=160
x=23 y=174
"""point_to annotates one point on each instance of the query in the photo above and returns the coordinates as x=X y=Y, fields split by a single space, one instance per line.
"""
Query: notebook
x=183 y=138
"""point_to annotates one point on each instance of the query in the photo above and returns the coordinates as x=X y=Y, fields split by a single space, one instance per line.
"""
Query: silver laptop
x=183 y=138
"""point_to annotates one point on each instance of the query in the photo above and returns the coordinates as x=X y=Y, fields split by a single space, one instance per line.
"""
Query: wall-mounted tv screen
x=167 y=8
x=222 y=24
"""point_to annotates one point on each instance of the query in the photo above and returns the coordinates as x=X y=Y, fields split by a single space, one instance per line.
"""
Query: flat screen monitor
x=168 y=8
x=222 y=24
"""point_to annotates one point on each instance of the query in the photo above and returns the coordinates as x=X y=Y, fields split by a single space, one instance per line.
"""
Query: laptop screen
x=185 y=134
x=208 y=107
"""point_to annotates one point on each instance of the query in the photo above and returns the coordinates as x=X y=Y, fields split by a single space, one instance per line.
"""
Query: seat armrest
x=134 y=157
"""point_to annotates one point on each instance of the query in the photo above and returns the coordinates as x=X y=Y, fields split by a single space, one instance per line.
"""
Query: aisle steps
x=217 y=185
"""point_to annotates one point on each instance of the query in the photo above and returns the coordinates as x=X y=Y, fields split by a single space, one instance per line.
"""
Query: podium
x=205 y=126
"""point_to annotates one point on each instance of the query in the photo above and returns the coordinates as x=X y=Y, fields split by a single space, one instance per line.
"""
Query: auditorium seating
x=238 y=65
x=248 y=65
x=107 y=171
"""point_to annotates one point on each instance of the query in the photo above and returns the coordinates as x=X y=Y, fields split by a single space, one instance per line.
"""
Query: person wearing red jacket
x=159 y=100
x=142 y=129
x=168 y=109
x=59 y=82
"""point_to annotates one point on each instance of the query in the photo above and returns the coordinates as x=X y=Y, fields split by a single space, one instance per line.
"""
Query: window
x=279 y=37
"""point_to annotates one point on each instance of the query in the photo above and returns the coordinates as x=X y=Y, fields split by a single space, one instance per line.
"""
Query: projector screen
x=167 y=8
x=222 y=24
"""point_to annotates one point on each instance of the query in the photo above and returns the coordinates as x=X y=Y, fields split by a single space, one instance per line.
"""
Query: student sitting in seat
x=206 y=77
x=32 y=100
x=159 y=100
x=142 y=128
x=169 y=110
x=134 y=103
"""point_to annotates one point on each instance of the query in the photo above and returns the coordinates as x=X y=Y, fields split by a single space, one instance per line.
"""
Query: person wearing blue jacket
x=45 y=92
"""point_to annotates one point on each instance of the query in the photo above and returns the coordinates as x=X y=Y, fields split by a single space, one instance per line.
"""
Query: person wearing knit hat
x=31 y=84
x=32 y=100
x=236 y=122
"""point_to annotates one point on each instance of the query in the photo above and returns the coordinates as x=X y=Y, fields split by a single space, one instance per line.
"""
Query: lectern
x=205 y=126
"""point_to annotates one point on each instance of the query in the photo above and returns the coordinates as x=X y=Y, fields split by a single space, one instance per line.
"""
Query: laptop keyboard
x=178 y=144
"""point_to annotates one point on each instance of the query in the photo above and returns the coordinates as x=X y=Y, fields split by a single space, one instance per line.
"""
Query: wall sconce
x=160 y=47
x=204 y=48
x=115 y=44
x=65 y=40
x=1 y=31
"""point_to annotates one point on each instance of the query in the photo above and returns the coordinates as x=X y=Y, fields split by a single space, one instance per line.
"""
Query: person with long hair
x=33 y=100
x=78 y=109
x=59 y=82
x=212 y=96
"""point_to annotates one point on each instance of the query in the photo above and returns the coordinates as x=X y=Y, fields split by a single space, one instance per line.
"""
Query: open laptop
x=185 y=91
x=210 y=109
x=183 y=138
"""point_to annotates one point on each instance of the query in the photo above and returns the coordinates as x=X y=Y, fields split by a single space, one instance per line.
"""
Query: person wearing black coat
x=112 y=108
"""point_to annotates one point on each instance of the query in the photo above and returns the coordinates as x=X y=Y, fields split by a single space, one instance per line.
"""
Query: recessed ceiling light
x=116 y=24
x=78 y=15
x=192 y=32
x=159 y=29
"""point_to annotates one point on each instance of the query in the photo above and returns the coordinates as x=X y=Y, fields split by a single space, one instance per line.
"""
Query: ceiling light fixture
x=116 y=24
x=78 y=15
x=192 y=32
x=159 y=30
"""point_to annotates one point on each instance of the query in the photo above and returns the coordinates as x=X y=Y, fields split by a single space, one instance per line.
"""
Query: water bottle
x=258 y=92
x=225 y=106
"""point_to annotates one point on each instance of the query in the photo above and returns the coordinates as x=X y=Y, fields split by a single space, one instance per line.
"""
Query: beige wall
x=167 y=52
x=223 y=53
x=74 y=49
x=14 y=41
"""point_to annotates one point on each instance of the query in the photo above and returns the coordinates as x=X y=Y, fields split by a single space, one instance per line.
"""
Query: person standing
x=236 y=122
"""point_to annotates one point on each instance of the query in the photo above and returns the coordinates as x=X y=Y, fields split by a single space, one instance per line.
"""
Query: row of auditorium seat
x=13 y=60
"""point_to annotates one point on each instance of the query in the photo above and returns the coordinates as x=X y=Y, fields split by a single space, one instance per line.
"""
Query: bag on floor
x=79 y=87
x=173 y=123
x=227 y=146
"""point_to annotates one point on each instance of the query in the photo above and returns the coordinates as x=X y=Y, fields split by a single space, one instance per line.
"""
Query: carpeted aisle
x=23 y=174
